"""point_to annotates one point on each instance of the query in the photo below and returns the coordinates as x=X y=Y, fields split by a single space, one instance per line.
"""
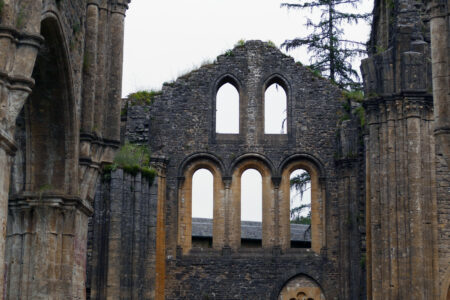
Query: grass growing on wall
x=133 y=159
x=143 y=97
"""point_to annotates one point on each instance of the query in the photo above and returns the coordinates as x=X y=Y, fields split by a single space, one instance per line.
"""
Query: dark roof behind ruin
x=202 y=227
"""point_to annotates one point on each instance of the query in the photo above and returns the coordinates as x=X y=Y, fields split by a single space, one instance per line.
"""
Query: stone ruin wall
x=402 y=122
x=179 y=126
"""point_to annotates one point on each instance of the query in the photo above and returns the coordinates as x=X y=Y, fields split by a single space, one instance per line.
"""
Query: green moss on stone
x=132 y=159
x=143 y=97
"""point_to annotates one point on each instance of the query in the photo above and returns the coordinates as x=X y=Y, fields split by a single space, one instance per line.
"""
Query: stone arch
x=185 y=202
x=48 y=138
x=303 y=156
x=252 y=156
x=227 y=78
x=278 y=79
x=265 y=168
x=318 y=193
x=200 y=156
x=221 y=81
x=301 y=287
x=45 y=174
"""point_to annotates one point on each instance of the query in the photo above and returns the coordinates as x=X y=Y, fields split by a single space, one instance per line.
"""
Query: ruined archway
x=44 y=185
x=45 y=133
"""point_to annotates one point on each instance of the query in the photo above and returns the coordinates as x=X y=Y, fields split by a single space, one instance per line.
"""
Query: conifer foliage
x=331 y=53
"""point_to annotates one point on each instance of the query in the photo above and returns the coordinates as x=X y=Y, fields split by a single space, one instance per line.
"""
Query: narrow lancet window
x=300 y=209
x=275 y=113
x=202 y=208
x=251 y=209
x=227 y=109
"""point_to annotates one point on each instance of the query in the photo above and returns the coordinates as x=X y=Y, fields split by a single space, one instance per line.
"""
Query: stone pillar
x=269 y=212
x=219 y=211
x=46 y=248
x=7 y=149
x=401 y=204
x=400 y=180
x=127 y=238
x=227 y=207
x=440 y=56
x=116 y=24
x=160 y=268
x=90 y=71
x=19 y=45
x=115 y=236
x=349 y=163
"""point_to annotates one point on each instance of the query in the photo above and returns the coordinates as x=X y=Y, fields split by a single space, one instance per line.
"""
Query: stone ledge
x=27 y=200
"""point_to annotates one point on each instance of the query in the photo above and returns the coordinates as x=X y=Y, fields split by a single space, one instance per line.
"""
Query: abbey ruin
x=73 y=228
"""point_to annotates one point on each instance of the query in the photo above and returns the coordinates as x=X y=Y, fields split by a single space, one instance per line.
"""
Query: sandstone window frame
x=318 y=193
x=221 y=81
x=268 y=201
x=290 y=199
x=185 y=203
x=244 y=178
x=279 y=79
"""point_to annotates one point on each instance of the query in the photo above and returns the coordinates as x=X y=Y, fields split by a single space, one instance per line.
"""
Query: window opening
x=227 y=109
x=251 y=209
x=275 y=112
x=300 y=209
x=202 y=208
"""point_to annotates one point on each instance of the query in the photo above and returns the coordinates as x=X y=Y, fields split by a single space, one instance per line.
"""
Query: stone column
x=400 y=183
x=46 y=248
x=7 y=150
x=116 y=24
x=19 y=45
x=90 y=71
x=227 y=207
x=440 y=56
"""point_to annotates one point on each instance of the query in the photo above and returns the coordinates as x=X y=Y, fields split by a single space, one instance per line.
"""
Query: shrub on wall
x=133 y=159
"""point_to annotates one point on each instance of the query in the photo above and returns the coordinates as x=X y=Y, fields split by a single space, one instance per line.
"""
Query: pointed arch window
x=227 y=109
x=275 y=109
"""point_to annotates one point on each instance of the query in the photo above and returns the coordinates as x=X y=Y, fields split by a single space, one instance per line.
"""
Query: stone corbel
x=276 y=180
x=119 y=6
x=227 y=181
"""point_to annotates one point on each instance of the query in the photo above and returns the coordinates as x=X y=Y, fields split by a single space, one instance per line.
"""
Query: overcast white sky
x=164 y=39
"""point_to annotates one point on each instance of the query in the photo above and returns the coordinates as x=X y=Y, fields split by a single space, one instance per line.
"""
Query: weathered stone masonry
x=407 y=165
x=180 y=126
x=60 y=64
x=381 y=193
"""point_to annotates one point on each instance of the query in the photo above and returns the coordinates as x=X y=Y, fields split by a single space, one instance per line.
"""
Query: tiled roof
x=202 y=227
